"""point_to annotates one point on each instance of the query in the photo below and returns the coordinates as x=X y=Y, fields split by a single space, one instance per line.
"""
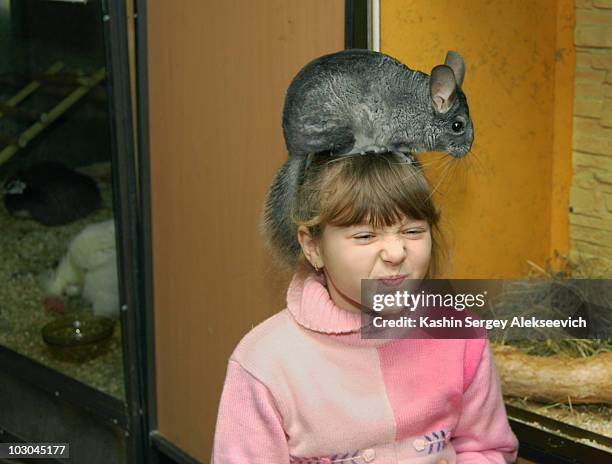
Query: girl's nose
x=393 y=249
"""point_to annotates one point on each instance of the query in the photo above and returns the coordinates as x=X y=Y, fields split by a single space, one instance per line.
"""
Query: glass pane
x=562 y=378
x=59 y=293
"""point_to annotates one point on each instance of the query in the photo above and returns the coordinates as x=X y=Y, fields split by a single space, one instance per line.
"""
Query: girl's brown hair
x=374 y=189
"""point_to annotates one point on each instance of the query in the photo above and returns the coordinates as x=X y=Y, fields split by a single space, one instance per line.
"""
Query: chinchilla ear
x=442 y=88
x=455 y=61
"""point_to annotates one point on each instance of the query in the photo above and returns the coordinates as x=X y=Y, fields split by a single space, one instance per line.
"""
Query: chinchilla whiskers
x=411 y=175
x=450 y=171
x=436 y=159
x=448 y=165
x=475 y=160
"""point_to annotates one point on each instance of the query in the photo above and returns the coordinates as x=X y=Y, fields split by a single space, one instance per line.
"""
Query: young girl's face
x=350 y=254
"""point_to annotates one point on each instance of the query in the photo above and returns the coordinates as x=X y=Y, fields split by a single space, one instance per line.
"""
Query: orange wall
x=507 y=202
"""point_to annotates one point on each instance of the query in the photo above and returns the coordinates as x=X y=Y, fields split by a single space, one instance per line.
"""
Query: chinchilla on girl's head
x=361 y=101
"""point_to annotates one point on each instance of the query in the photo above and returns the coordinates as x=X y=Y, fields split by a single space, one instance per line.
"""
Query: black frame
x=156 y=451
x=544 y=446
x=129 y=221
x=356 y=24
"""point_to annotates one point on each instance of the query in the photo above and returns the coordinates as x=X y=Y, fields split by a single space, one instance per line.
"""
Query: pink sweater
x=303 y=387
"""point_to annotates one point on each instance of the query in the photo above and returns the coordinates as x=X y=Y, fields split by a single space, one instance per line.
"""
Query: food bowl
x=78 y=337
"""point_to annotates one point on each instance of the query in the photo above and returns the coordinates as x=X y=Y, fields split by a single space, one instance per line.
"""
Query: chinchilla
x=51 y=193
x=361 y=101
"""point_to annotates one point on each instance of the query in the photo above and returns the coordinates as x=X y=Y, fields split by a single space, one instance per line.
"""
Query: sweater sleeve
x=249 y=427
x=483 y=434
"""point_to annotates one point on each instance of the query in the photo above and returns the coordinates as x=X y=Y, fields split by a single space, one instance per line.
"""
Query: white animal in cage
x=89 y=268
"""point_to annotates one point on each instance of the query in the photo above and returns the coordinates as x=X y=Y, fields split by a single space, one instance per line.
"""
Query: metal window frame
x=137 y=356
x=356 y=30
x=548 y=441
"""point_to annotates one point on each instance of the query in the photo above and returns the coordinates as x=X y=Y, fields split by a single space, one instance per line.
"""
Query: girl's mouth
x=392 y=281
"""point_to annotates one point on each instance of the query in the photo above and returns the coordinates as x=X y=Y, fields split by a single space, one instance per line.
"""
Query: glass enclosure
x=59 y=293
x=562 y=378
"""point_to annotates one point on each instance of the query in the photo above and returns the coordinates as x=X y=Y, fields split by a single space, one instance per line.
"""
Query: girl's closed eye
x=413 y=232
x=364 y=236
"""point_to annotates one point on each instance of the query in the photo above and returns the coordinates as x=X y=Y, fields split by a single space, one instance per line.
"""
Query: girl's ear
x=309 y=245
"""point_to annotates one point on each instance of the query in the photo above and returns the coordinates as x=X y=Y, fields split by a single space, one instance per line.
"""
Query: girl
x=304 y=387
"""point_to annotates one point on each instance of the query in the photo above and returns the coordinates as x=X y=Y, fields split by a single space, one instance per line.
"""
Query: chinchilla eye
x=457 y=126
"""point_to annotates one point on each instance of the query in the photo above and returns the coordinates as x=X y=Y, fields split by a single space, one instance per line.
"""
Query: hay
x=27 y=249
x=527 y=301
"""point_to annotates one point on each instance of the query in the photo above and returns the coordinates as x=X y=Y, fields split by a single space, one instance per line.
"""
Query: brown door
x=217 y=74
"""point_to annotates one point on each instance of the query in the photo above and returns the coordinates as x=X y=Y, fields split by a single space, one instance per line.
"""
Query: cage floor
x=595 y=418
x=27 y=249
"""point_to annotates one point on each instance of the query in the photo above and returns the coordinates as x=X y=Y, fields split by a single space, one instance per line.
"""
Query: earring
x=316 y=268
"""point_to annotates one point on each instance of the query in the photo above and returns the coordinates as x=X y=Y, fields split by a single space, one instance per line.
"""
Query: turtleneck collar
x=310 y=304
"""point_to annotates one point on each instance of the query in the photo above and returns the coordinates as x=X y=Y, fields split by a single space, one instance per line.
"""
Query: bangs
x=377 y=189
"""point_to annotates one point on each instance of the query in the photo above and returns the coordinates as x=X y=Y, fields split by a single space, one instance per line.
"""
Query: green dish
x=78 y=337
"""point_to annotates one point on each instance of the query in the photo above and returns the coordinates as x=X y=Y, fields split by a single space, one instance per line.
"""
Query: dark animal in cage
x=51 y=193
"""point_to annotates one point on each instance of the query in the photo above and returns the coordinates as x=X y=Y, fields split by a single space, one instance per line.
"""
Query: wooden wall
x=217 y=72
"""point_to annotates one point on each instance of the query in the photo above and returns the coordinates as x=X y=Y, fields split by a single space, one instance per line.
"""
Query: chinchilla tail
x=276 y=226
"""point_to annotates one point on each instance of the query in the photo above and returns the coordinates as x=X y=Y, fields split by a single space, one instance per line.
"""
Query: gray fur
x=360 y=101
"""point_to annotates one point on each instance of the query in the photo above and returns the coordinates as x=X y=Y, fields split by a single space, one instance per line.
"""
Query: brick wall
x=590 y=214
